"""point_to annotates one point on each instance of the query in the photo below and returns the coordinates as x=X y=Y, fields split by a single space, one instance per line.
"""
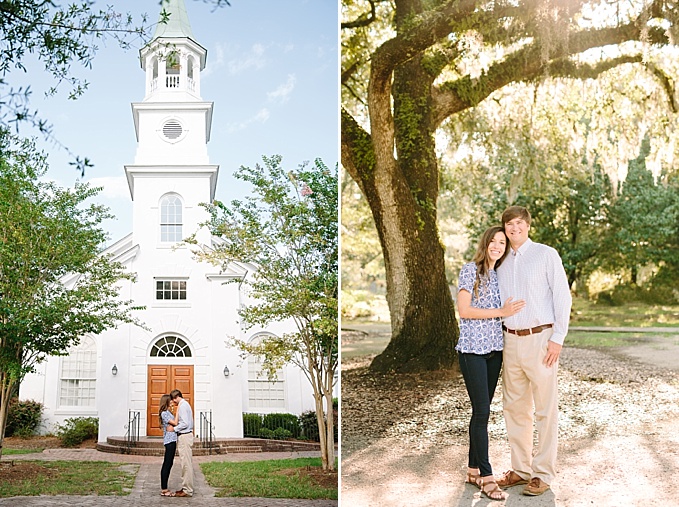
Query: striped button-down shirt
x=535 y=273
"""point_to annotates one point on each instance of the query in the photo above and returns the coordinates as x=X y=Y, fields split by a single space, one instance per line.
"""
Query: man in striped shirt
x=533 y=340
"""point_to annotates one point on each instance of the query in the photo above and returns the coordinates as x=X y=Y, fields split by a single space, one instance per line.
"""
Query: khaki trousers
x=527 y=382
x=185 y=448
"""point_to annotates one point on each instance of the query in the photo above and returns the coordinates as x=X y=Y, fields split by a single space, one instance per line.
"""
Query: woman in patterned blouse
x=165 y=417
x=480 y=347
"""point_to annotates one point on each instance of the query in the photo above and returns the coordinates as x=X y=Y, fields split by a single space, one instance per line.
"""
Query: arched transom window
x=262 y=392
x=170 y=346
x=78 y=378
x=171 y=219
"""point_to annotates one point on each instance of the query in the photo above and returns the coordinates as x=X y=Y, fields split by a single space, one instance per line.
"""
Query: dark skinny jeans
x=480 y=373
x=170 y=450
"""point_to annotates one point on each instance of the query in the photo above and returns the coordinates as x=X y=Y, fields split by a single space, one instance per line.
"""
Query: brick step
x=153 y=446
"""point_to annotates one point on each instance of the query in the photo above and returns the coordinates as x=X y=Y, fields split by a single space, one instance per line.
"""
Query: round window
x=172 y=130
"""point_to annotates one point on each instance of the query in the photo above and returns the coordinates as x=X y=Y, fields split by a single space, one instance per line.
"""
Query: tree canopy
x=288 y=229
x=55 y=284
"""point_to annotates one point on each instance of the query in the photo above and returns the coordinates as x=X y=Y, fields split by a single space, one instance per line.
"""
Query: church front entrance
x=161 y=380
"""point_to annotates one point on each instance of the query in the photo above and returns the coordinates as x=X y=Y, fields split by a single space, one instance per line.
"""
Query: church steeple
x=177 y=23
x=173 y=59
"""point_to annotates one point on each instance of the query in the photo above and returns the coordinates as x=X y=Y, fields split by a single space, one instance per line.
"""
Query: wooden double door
x=161 y=380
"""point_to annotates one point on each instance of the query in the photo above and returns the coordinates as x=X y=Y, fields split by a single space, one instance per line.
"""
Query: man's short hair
x=515 y=212
x=175 y=393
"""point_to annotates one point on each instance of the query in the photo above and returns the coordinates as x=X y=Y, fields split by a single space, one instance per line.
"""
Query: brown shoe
x=509 y=479
x=535 y=487
x=180 y=492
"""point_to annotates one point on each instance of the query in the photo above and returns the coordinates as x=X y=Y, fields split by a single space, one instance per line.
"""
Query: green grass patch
x=598 y=339
x=587 y=313
x=287 y=478
x=9 y=452
x=30 y=478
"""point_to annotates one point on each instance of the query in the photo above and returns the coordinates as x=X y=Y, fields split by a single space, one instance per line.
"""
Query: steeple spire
x=177 y=24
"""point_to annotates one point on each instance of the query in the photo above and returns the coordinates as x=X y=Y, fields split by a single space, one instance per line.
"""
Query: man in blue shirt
x=184 y=430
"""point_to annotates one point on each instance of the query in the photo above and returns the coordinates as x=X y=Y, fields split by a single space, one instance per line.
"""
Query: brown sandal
x=473 y=479
x=493 y=492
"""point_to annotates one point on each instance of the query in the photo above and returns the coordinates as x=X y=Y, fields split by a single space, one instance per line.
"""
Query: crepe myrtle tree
x=408 y=66
x=55 y=285
x=287 y=228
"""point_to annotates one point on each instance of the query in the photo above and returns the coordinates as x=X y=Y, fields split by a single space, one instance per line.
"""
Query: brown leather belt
x=526 y=332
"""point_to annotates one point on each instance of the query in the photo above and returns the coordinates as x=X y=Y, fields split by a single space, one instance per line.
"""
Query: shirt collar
x=523 y=248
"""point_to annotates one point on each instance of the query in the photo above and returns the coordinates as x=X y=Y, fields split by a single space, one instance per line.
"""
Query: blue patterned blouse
x=480 y=336
x=168 y=436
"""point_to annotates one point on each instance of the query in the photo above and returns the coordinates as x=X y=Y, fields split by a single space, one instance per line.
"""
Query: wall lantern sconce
x=114 y=370
x=226 y=371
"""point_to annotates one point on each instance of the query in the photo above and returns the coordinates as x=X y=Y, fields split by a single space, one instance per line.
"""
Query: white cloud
x=215 y=63
x=114 y=187
x=253 y=59
x=261 y=117
x=282 y=93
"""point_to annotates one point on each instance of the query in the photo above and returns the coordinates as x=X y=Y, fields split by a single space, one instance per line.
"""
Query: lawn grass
x=10 y=452
x=588 y=313
x=268 y=479
x=599 y=339
x=30 y=478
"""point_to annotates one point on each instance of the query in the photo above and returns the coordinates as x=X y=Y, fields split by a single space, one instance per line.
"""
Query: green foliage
x=56 y=286
x=60 y=37
x=309 y=425
x=252 y=423
x=288 y=229
x=76 y=430
x=23 y=417
x=287 y=422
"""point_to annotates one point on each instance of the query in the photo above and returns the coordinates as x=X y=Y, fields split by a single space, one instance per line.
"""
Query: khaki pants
x=185 y=448
x=527 y=381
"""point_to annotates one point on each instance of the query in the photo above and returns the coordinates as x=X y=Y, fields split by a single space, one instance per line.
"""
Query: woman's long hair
x=481 y=258
x=164 y=405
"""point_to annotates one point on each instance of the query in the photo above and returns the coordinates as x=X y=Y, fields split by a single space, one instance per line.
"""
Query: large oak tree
x=398 y=93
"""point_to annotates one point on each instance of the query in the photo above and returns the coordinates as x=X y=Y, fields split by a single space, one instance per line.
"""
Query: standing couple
x=530 y=326
x=177 y=434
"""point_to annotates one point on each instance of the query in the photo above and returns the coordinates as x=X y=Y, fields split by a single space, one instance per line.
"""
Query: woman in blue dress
x=169 y=440
x=480 y=348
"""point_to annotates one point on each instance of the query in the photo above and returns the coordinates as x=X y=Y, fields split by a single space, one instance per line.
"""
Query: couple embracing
x=526 y=333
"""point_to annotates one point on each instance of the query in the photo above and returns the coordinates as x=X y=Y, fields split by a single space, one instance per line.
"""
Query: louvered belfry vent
x=172 y=130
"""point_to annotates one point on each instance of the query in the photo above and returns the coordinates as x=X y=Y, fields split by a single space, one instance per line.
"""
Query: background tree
x=428 y=62
x=55 y=286
x=288 y=229
x=644 y=220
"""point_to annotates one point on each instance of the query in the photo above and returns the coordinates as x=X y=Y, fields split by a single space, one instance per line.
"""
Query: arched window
x=170 y=346
x=78 y=377
x=262 y=392
x=170 y=219
x=189 y=66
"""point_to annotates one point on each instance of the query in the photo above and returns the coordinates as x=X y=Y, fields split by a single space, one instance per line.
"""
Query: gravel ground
x=404 y=438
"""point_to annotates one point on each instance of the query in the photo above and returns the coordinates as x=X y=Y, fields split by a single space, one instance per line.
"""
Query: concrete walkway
x=146 y=491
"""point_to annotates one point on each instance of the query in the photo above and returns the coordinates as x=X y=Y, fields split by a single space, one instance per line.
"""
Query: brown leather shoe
x=535 y=487
x=180 y=492
x=510 y=478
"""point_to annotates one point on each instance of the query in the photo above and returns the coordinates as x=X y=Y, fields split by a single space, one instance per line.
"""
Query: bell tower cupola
x=173 y=59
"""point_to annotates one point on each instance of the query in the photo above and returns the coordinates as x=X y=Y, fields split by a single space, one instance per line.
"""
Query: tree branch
x=667 y=85
x=524 y=65
x=363 y=19
x=358 y=157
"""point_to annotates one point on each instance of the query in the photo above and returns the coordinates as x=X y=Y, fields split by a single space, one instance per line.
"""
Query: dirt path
x=404 y=439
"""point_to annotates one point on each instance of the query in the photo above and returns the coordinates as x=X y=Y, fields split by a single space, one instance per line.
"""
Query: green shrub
x=289 y=422
x=281 y=433
x=23 y=417
x=309 y=425
x=252 y=423
x=265 y=433
x=76 y=430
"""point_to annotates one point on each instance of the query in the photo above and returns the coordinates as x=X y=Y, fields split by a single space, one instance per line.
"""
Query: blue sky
x=272 y=72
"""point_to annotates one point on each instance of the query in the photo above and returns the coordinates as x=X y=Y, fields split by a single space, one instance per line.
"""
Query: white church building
x=190 y=313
